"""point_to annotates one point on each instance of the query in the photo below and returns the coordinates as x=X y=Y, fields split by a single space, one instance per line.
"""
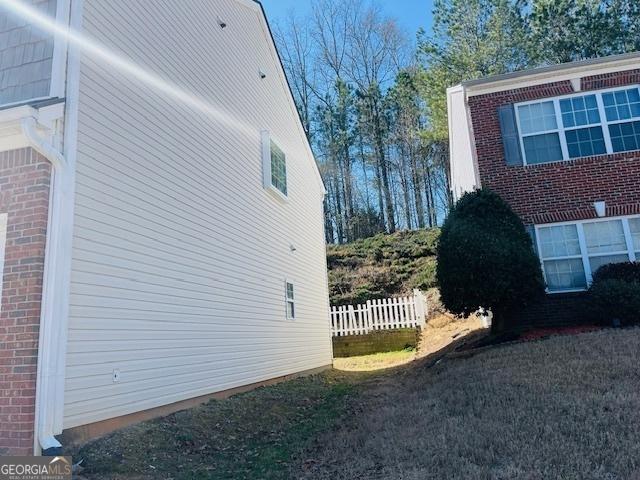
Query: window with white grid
x=580 y=125
x=571 y=253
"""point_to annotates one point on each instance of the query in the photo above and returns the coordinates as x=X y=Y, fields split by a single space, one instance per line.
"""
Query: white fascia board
x=12 y=134
x=550 y=76
x=252 y=4
x=15 y=115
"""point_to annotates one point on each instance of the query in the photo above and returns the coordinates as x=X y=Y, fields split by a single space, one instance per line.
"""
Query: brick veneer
x=24 y=195
x=559 y=191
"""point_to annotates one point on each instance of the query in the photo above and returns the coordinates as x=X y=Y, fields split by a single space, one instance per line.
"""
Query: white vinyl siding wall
x=179 y=253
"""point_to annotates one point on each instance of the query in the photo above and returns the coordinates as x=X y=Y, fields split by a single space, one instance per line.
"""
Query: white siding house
x=192 y=267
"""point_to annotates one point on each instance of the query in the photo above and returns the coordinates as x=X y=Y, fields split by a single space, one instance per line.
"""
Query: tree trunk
x=382 y=160
x=328 y=226
x=417 y=190
x=404 y=182
x=383 y=226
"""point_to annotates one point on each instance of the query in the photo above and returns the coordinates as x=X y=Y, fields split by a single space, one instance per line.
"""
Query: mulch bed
x=541 y=333
x=529 y=335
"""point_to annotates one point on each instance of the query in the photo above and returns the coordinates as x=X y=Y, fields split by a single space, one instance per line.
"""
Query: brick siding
x=559 y=191
x=24 y=195
x=559 y=309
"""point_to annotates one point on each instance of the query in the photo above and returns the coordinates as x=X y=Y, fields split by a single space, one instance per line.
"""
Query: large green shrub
x=626 y=271
x=486 y=258
x=615 y=293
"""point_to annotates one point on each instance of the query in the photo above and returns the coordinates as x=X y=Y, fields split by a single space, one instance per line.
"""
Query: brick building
x=561 y=145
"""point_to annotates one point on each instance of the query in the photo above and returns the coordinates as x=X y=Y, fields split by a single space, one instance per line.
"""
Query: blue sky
x=411 y=14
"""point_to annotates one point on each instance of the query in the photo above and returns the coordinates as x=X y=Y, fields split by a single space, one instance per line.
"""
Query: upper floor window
x=579 y=125
x=274 y=166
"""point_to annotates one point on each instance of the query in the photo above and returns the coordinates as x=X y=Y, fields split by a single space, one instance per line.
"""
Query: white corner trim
x=60 y=45
x=57 y=272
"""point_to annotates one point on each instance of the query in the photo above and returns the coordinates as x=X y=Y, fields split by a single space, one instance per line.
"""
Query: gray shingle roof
x=26 y=55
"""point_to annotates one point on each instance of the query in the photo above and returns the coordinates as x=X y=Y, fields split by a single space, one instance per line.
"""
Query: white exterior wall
x=464 y=171
x=179 y=254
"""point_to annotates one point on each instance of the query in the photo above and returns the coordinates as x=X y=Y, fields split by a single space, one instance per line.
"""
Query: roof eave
x=552 y=73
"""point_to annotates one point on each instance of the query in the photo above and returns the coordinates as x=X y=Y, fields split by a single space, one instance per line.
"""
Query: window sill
x=277 y=194
x=573 y=161
x=560 y=292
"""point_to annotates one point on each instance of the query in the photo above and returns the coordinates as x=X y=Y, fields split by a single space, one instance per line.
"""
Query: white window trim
x=3 y=242
x=584 y=255
x=604 y=123
x=288 y=300
x=266 y=139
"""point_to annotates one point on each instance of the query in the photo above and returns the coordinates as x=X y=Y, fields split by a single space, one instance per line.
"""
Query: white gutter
x=43 y=147
x=50 y=376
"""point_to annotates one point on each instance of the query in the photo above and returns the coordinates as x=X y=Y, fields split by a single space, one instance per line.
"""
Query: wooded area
x=372 y=97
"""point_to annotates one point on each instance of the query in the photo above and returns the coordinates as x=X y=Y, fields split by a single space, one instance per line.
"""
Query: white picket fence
x=382 y=314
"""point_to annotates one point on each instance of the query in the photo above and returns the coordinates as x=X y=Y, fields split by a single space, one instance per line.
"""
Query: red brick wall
x=24 y=195
x=555 y=191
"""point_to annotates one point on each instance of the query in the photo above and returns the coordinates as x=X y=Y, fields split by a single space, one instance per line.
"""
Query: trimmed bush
x=627 y=271
x=615 y=293
x=486 y=258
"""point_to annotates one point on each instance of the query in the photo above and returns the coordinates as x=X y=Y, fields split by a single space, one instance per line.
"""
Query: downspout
x=50 y=369
x=43 y=147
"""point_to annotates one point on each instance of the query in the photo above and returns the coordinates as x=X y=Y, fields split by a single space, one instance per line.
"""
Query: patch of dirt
x=443 y=329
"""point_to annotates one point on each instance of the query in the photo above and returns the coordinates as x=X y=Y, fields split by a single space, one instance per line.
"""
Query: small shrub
x=627 y=271
x=615 y=293
x=486 y=258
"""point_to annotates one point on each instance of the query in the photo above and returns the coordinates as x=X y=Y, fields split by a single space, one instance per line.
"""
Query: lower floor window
x=572 y=252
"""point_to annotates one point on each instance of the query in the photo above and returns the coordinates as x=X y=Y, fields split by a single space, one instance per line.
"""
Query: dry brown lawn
x=563 y=408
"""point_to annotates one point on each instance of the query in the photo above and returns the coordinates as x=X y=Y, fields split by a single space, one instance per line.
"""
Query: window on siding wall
x=274 y=166
x=571 y=253
x=580 y=125
x=291 y=304
x=278 y=168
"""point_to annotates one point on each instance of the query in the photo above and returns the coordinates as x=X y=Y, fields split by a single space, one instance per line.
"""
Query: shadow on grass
x=260 y=434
